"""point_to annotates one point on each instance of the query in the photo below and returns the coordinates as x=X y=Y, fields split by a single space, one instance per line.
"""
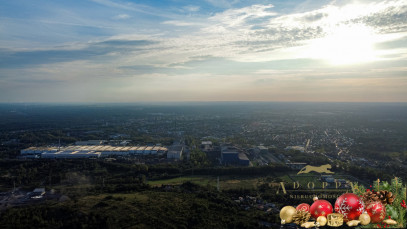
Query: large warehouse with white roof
x=78 y=151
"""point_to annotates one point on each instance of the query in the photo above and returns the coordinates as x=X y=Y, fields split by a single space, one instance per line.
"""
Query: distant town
x=227 y=154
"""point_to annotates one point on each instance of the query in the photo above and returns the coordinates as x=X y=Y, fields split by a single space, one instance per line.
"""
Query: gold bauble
x=287 y=213
x=322 y=220
x=364 y=219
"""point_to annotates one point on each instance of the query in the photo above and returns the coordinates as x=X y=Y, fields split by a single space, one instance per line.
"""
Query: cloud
x=255 y=51
x=122 y=16
x=191 y=8
x=314 y=17
x=20 y=58
x=131 y=6
x=180 y=23
x=239 y=17
x=388 y=18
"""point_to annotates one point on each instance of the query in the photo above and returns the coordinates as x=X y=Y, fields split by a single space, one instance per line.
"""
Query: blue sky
x=211 y=50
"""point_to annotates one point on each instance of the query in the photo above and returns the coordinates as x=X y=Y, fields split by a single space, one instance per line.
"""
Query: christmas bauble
x=364 y=219
x=322 y=220
x=376 y=211
x=350 y=206
x=303 y=207
x=320 y=207
x=287 y=214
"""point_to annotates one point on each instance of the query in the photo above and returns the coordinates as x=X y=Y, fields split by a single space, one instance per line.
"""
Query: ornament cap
x=315 y=198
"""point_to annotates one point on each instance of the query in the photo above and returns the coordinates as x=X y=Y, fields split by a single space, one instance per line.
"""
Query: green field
x=225 y=182
x=245 y=182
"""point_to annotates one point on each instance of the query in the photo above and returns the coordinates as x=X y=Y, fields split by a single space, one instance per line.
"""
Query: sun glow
x=344 y=45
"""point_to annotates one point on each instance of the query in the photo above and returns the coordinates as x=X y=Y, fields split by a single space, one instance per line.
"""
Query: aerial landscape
x=206 y=114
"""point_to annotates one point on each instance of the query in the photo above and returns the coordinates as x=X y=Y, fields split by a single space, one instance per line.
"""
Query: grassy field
x=225 y=182
x=236 y=182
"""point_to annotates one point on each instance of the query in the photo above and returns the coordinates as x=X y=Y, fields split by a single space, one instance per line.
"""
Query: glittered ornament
x=287 y=213
x=303 y=207
x=335 y=220
x=376 y=211
x=322 y=220
x=320 y=207
x=364 y=219
x=350 y=206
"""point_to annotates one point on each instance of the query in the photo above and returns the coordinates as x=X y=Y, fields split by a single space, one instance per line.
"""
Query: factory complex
x=93 y=151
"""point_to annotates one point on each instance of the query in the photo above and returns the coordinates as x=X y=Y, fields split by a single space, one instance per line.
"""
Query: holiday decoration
x=392 y=212
x=303 y=207
x=364 y=219
x=376 y=211
x=287 y=213
x=320 y=208
x=395 y=206
x=335 y=220
x=390 y=221
x=322 y=220
x=301 y=217
x=383 y=196
x=369 y=197
x=308 y=224
x=350 y=206
x=353 y=223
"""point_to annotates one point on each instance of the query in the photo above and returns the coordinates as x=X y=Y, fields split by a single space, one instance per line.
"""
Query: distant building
x=206 y=146
x=261 y=149
x=233 y=156
x=243 y=159
x=90 y=143
x=90 y=151
x=175 y=152
x=70 y=154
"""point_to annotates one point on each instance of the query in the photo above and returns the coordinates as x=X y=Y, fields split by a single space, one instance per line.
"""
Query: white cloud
x=180 y=23
x=191 y=8
x=122 y=16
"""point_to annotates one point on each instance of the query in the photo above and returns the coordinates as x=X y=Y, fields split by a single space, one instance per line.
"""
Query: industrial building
x=90 y=151
x=206 y=146
x=261 y=149
x=175 y=152
x=233 y=156
x=90 y=143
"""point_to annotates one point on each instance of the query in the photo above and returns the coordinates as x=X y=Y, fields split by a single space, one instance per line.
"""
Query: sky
x=205 y=50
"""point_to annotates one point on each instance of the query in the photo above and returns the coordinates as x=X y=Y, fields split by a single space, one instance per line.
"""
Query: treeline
x=190 y=207
x=109 y=175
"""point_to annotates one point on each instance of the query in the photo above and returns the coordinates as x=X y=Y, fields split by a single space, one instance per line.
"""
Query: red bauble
x=320 y=207
x=376 y=211
x=303 y=207
x=350 y=206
